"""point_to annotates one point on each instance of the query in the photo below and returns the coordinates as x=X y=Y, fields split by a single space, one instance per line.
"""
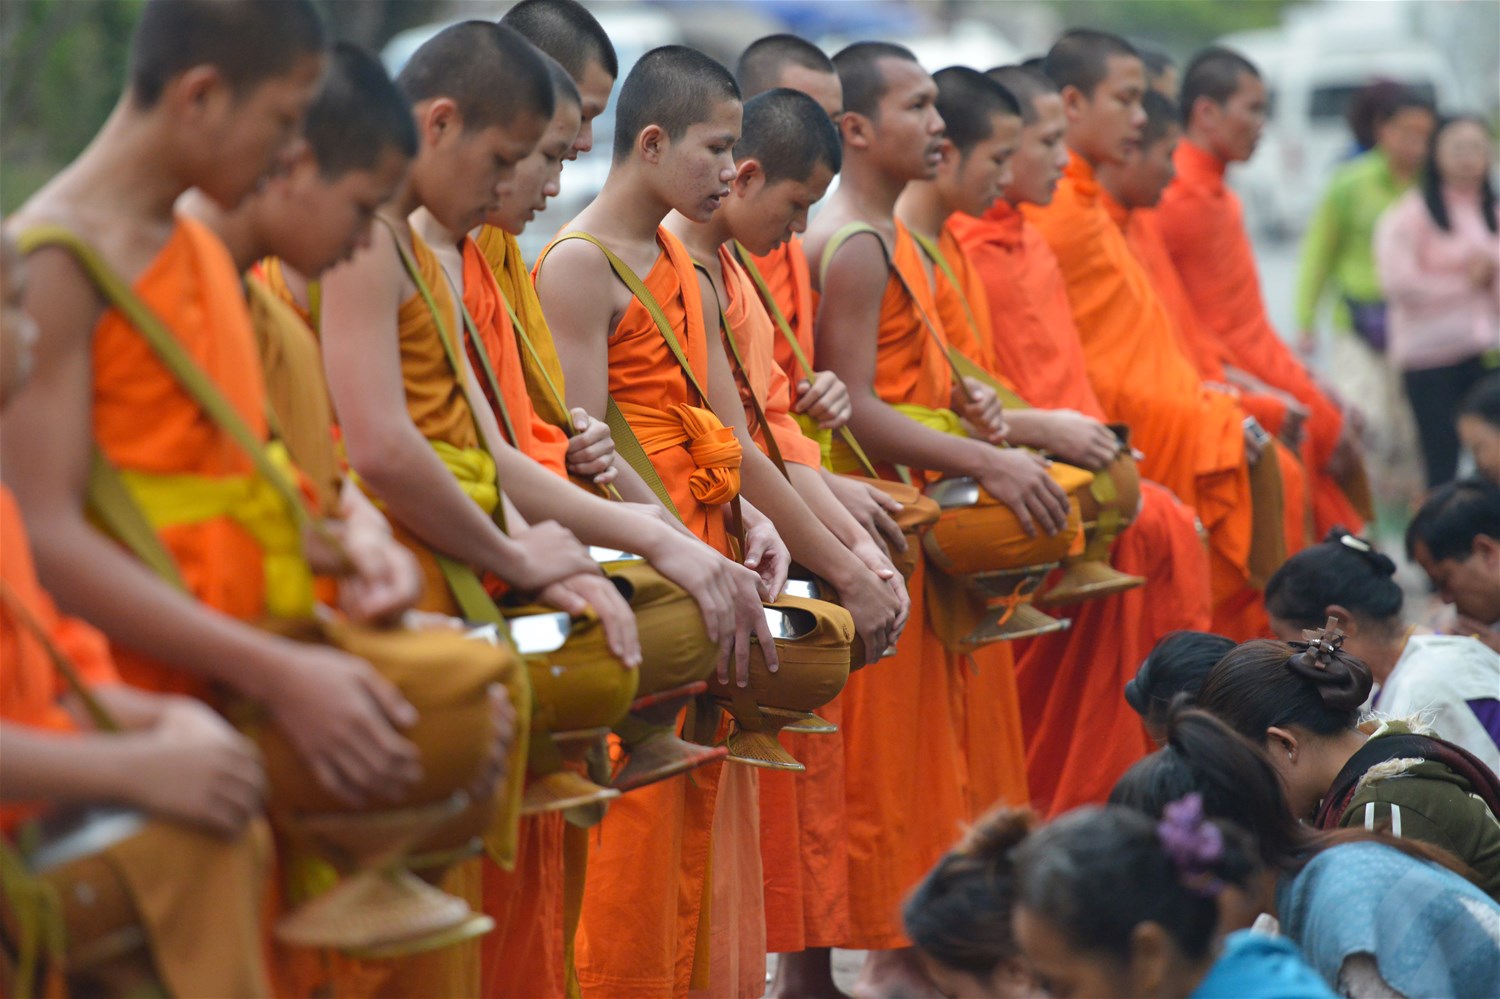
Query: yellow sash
x=475 y=471
x=251 y=502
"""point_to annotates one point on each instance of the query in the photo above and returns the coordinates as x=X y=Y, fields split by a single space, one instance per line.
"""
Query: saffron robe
x=643 y=911
x=542 y=366
x=1203 y=226
x=1080 y=734
x=790 y=282
x=1192 y=437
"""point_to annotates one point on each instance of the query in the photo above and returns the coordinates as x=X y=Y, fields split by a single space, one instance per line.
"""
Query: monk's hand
x=880 y=564
x=711 y=579
x=1080 y=440
x=546 y=552
x=1294 y=424
x=1019 y=479
x=577 y=594
x=343 y=718
x=875 y=609
x=496 y=763
x=875 y=510
x=386 y=580
x=1486 y=633
x=591 y=451
x=826 y=399
x=766 y=553
x=192 y=765
x=981 y=409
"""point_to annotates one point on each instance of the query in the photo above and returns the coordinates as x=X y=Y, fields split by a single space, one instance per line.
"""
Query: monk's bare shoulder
x=578 y=290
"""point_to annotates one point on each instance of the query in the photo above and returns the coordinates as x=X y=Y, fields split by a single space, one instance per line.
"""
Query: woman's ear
x=1345 y=619
x=1150 y=959
x=1280 y=741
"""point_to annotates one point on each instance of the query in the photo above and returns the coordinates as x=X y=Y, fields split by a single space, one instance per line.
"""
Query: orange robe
x=649 y=858
x=31 y=691
x=1203 y=226
x=1080 y=733
x=1143 y=235
x=804 y=856
x=1191 y=436
x=905 y=719
x=790 y=281
x=144 y=421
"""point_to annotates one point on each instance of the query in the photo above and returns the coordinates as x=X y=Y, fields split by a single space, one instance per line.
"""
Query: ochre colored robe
x=1080 y=733
x=649 y=858
x=1203 y=226
x=804 y=857
x=1192 y=437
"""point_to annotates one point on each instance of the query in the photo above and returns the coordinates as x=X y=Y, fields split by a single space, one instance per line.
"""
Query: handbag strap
x=102 y=719
x=784 y=326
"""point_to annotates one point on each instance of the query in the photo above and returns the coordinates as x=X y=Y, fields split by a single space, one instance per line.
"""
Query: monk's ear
x=296 y=159
x=857 y=131
x=1075 y=102
x=194 y=89
x=652 y=143
x=437 y=118
x=748 y=176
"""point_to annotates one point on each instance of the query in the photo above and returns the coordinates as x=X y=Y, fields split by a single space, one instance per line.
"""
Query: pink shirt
x=1437 y=317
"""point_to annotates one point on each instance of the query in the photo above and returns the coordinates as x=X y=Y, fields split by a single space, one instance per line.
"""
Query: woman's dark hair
x=1097 y=873
x=1239 y=786
x=1367 y=103
x=1452 y=516
x=1265 y=683
x=1177 y=665
x=960 y=913
x=1432 y=180
x=1343 y=570
x=1483 y=400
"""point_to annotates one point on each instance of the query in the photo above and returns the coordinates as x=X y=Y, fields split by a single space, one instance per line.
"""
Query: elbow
x=379 y=456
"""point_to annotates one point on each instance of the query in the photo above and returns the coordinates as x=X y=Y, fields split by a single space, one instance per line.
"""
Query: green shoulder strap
x=773 y=449
x=487 y=371
x=790 y=336
x=960 y=360
x=98 y=714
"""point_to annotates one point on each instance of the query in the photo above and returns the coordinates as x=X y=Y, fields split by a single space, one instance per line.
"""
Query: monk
x=172 y=758
x=985 y=131
x=239 y=92
x=1202 y=224
x=566 y=31
x=643 y=930
x=902 y=728
x=1130 y=192
x=1197 y=442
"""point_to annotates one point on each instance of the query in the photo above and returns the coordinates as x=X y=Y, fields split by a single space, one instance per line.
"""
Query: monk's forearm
x=889 y=436
x=421 y=495
x=541 y=495
x=809 y=542
x=808 y=482
x=60 y=767
x=1028 y=428
x=93 y=578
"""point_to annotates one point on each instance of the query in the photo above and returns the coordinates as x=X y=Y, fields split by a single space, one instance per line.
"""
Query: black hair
x=1432 y=181
x=1080 y=58
x=760 y=65
x=674 y=87
x=790 y=134
x=1452 y=516
x=1342 y=570
x=1095 y=874
x=1175 y=667
x=1400 y=98
x=490 y=72
x=357 y=115
x=858 y=66
x=1483 y=400
x=566 y=31
x=1258 y=685
x=1238 y=785
x=1025 y=84
x=248 y=41
x=1213 y=73
x=1157 y=60
x=960 y=913
x=968 y=101
x=1162 y=115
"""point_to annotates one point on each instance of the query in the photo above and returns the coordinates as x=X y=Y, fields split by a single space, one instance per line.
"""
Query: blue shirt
x=1256 y=964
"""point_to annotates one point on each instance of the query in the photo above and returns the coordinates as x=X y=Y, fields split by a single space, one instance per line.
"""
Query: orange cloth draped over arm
x=790 y=282
x=1203 y=226
x=543 y=368
x=144 y=421
x=1192 y=437
x=535 y=437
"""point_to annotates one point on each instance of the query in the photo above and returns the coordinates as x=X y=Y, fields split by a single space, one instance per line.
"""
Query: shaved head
x=564 y=90
x=1025 y=85
x=1162 y=116
x=357 y=115
x=859 y=70
x=674 y=87
x=1081 y=58
x=1214 y=73
x=566 y=31
x=968 y=100
x=789 y=134
x=491 y=74
x=761 y=65
x=247 y=41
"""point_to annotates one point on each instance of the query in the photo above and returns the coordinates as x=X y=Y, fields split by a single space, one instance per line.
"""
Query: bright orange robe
x=144 y=421
x=790 y=282
x=1191 y=436
x=31 y=691
x=1143 y=236
x=1080 y=734
x=649 y=858
x=1202 y=223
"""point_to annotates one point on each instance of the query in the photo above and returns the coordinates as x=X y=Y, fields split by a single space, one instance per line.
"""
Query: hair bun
x=1342 y=681
x=996 y=834
x=1377 y=560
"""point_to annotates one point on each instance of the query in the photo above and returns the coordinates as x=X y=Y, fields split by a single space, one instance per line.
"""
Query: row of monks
x=712 y=572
